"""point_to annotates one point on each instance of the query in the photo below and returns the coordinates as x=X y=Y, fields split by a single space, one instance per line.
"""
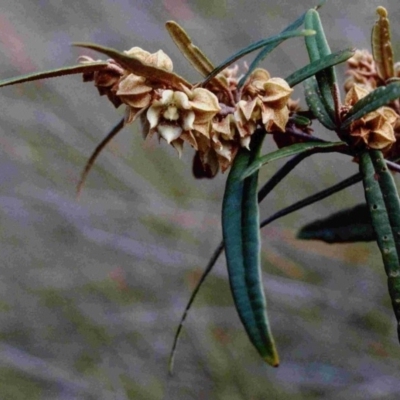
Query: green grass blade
x=346 y=226
x=297 y=148
x=318 y=47
x=137 y=67
x=242 y=247
x=314 y=102
x=382 y=199
x=269 y=48
x=378 y=98
x=54 y=73
x=317 y=66
x=274 y=40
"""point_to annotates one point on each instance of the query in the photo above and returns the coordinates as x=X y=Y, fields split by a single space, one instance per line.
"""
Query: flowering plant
x=225 y=118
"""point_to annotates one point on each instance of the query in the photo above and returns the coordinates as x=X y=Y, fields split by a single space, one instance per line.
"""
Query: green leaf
x=269 y=48
x=240 y=226
x=255 y=46
x=318 y=65
x=297 y=148
x=76 y=69
x=346 y=226
x=318 y=47
x=314 y=102
x=372 y=101
x=384 y=207
x=390 y=195
x=138 y=67
x=300 y=120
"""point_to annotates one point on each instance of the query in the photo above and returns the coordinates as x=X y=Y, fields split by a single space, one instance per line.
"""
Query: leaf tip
x=272 y=359
x=382 y=12
x=309 y=32
x=320 y=4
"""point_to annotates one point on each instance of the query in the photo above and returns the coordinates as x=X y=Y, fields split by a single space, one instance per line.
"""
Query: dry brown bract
x=375 y=129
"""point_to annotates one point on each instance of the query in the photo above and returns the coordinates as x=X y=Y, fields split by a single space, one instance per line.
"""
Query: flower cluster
x=216 y=120
x=380 y=128
x=375 y=129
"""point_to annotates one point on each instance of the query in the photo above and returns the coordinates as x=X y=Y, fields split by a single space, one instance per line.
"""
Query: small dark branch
x=336 y=100
x=393 y=166
x=313 y=199
x=95 y=154
x=293 y=131
x=203 y=277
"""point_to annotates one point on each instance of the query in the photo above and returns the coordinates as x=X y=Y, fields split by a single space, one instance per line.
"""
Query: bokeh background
x=91 y=291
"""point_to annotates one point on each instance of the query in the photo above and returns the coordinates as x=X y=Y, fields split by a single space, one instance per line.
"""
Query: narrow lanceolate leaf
x=269 y=48
x=346 y=226
x=240 y=225
x=384 y=206
x=372 y=101
x=193 y=54
x=317 y=47
x=314 y=102
x=390 y=195
x=381 y=46
x=76 y=69
x=137 y=67
x=318 y=65
x=297 y=148
x=255 y=46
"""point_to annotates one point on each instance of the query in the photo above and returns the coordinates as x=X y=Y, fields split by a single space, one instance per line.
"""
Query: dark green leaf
x=240 y=226
x=297 y=148
x=137 y=67
x=269 y=48
x=384 y=207
x=318 y=47
x=372 y=101
x=314 y=101
x=300 y=120
x=76 y=69
x=390 y=195
x=255 y=46
x=346 y=226
x=318 y=65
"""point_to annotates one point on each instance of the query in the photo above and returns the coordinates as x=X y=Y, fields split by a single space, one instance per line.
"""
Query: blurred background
x=91 y=291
